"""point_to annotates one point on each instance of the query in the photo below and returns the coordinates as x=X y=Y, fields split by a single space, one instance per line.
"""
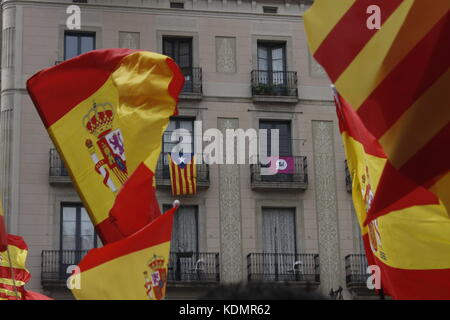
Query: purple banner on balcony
x=282 y=165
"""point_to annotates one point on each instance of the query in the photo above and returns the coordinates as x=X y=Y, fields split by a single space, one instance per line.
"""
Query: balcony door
x=77 y=235
x=180 y=50
x=279 y=243
x=184 y=244
x=285 y=146
x=272 y=64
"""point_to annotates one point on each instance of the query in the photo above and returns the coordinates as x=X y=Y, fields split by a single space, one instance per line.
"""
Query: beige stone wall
x=38 y=44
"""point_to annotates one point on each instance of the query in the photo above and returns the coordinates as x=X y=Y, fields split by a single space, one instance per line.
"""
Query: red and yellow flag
x=105 y=112
x=397 y=79
x=411 y=243
x=13 y=270
x=134 y=268
x=183 y=174
x=3 y=241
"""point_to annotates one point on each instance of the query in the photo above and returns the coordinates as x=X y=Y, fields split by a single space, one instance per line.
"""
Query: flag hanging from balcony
x=134 y=268
x=3 y=240
x=412 y=242
x=106 y=111
x=183 y=174
x=396 y=78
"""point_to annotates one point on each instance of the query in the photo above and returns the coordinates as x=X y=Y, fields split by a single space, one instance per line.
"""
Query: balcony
x=296 y=180
x=193 y=268
x=163 y=173
x=58 y=173
x=274 y=86
x=348 y=178
x=356 y=274
x=54 y=264
x=193 y=85
x=284 y=267
x=185 y=268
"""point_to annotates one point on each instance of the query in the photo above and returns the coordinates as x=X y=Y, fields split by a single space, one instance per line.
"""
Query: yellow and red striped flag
x=134 y=268
x=183 y=174
x=105 y=112
x=3 y=240
x=412 y=242
x=396 y=78
x=12 y=262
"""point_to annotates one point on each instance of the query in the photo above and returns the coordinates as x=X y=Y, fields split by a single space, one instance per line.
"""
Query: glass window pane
x=277 y=54
x=87 y=44
x=71 y=49
x=68 y=242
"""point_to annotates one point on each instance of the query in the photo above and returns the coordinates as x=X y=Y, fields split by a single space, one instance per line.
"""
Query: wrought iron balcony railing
x=348 y=178
x=182 y=266
x=274 y=83
x=356 y=270
x=193 y=267
x=294 y=177
x=54 y=264
x=163 y=173
x=283 y=267
x=193 y=81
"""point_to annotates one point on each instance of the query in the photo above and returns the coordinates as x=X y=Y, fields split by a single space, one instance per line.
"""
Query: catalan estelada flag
x=411 y=243
x=134 y=268
x=106 y=111
x=3 y=241
x=183 y=174
x=13 y=270
x=397 y=79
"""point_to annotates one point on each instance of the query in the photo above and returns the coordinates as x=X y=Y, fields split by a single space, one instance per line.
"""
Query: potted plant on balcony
x=263 y=89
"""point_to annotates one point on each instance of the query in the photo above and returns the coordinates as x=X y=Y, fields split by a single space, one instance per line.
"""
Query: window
x=185 y=229
x=76 y=43
x=180 y=50
x=177 y=5
x=272 y=10
x=279 y=230
x=279 y=241
x=285 y=140
x=77 y=231
x=272 y=63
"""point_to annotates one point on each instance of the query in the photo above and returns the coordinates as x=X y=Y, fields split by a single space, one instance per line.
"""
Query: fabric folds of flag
x=13 y=270
x=410 y=244
x=183 y=174
x=106 y=111
x=3 y=239
x=134 y=268
x=396 y=79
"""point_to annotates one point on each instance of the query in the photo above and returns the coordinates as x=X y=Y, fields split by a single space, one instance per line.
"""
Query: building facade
x=246 y=65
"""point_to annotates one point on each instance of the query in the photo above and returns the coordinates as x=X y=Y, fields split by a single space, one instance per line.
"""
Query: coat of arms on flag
x=99 y=123
x=183 y=174
x=155 y=285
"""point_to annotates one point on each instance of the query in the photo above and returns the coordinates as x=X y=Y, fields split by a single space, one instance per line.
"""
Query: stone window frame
x=171 y=33
x=61 y=38
x=271 y=38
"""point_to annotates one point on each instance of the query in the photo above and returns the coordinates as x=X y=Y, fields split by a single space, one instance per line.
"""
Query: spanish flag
x=105 y=112
x=412 y=242
x=397 y=79
x=3 y=240
x=183 y=174
x=134 y=268
x=12 y=269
